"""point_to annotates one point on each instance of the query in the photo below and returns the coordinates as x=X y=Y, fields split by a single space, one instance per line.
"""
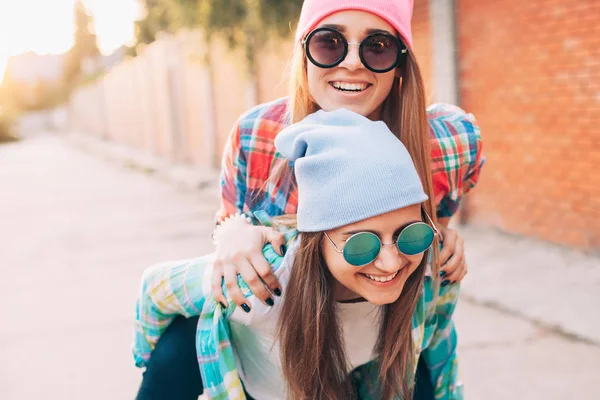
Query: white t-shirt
x=258 y=355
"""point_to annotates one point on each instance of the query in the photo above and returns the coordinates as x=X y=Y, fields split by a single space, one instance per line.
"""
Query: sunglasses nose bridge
x=352 y=60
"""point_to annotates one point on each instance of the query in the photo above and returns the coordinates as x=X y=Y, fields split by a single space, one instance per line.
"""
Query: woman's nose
x=390 y=259
x=352 y=62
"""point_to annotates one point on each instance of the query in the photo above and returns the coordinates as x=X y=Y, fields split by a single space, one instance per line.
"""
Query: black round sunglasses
x=379 y=52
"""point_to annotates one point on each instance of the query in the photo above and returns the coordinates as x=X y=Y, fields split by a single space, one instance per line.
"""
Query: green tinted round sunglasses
x=362 y=248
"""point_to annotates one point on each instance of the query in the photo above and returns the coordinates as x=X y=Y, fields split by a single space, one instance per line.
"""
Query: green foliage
x=248 y=23
x=229 y=18
x=249 y=20
x=243 y=23
x=280 y=16
x=238 y=21
x=157 y=19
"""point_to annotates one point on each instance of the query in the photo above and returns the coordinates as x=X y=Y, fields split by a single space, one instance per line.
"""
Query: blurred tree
x=239 y=21
x=280 y=15
x=247 y=23
x=243 y=23
x=157 y=19
x=84 y=47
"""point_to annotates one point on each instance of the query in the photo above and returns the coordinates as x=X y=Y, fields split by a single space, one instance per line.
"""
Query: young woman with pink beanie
x=353 y=54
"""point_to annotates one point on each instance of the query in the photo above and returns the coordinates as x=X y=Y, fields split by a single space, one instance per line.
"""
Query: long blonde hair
x=313 y=360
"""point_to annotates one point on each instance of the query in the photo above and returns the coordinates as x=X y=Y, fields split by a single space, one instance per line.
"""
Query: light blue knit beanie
x=348 y=168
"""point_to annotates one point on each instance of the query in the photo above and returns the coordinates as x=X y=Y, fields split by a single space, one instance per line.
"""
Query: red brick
x=530 y=73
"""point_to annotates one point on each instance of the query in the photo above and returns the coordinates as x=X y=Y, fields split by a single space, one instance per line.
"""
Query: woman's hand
x=239 y=251
x=452 y=257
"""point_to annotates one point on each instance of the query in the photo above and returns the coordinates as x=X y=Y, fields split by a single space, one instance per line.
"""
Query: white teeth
x=382 y=278
x=354 y=87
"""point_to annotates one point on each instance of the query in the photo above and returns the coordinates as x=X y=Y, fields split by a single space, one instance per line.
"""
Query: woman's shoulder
x=267 y=118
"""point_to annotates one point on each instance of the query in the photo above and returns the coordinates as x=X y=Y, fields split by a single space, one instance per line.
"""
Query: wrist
x=230 y=223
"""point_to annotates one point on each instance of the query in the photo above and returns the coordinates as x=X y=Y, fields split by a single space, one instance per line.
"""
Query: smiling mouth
x=349 y=87
x=381 y=278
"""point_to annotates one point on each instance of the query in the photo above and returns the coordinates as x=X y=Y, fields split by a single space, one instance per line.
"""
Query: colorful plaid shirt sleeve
x=233 y=175
x=171 y=289
x=440 y=343
x=167 y=290
x=249 y=158
x=456 y=152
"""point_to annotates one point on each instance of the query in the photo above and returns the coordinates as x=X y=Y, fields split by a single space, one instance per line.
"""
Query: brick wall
x=530 y=73
x=422 y=42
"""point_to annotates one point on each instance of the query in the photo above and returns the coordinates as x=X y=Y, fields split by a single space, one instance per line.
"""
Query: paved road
x=75 y=233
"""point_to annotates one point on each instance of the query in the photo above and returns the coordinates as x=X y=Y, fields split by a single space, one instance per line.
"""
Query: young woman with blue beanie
x=353 y=54
x=359 y=307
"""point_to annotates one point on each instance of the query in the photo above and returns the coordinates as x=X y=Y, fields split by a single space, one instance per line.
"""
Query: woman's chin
x=337 y=102
x=383 y=297
x=382 y=300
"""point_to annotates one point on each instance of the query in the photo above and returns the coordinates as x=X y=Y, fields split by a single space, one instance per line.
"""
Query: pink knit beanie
x=397 y=13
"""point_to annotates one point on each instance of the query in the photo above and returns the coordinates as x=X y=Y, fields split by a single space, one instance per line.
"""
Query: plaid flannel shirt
x=250 y=158
x=183 y=288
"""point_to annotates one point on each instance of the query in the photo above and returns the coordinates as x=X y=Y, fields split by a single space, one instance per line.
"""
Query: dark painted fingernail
x=277 y=292
x=442 y=273
x=222 y=305
x=270 y=302
x=445 y=283
x=282 y=249
x=245 y=307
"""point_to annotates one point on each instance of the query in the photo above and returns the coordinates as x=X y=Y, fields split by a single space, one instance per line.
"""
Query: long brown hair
x=312 y=349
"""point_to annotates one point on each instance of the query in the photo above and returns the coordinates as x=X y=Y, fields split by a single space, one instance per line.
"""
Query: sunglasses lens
x=380 y=52
x=326 y=47
x=361 y=249
x=415 y=239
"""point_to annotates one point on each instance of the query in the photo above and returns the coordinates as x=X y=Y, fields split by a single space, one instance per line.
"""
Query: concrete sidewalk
x=553 y=286
x=79 y=227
